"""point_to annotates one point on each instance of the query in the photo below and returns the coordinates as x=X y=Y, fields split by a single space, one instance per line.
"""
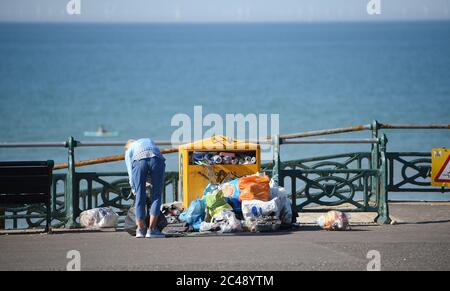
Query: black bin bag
x=130 y=221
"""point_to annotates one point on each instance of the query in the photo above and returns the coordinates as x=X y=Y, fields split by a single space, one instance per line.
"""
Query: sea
x=59 y=80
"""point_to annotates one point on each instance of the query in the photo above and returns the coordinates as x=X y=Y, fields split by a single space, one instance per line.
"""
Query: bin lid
x=219 y=143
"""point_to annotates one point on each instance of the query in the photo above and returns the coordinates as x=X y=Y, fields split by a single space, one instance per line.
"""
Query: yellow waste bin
x=214 y=158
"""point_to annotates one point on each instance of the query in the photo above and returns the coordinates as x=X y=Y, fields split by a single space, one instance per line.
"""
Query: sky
x=220 y=10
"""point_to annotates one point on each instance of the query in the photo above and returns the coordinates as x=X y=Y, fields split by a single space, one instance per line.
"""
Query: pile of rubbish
x=222 y=158
x=334 y=220
x=251 y=203
x=172 y=211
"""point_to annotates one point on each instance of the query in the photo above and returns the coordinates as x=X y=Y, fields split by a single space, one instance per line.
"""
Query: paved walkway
x=420 y=241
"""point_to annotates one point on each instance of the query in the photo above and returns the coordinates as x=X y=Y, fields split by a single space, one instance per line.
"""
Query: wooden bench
x=27 y=183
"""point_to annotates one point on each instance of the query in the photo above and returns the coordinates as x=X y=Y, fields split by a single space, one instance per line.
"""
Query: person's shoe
x=154 y=234
x=140 y=233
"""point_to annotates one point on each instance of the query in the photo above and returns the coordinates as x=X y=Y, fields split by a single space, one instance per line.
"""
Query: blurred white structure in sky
x=222 y=10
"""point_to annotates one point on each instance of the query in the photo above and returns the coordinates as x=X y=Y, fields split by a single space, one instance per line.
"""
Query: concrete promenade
x=419 y=241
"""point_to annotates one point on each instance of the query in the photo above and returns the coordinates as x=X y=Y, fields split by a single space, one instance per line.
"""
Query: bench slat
x=24 y=198
x=25 y=184
x=25 y=188
x=19 y=171
x=9 y=179
x=26 y=163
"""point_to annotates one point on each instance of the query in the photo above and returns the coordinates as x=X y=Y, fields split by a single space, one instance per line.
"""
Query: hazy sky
x=221 y=10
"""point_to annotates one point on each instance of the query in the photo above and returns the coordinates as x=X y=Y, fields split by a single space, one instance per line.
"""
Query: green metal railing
x=325 y=181
x=74 y=192
x=358 y=181
x=102 y=190
x=328 y=181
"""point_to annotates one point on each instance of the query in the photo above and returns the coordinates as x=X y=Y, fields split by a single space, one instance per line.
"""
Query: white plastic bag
x=98 y=218
x=227 y=221
x=277 y=191
x=209 y=226
x=285 y=209
x=232 y=224
x=334 y=220
x=255 y=208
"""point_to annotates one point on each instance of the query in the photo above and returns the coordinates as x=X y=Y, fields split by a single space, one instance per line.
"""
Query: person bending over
x=143 y=159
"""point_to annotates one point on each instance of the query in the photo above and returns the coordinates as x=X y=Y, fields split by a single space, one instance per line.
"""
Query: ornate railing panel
x=410 y=172
x=328 y=188
x=330 y=181
x=94 y=190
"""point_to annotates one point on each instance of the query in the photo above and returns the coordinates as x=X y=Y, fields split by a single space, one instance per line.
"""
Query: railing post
x=375 y=126
x=375 y=156
x=276 y=160
x=383 y=200
x=175 y=188
x=70 y=194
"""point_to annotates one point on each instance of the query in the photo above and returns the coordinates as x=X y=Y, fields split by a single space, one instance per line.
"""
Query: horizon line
x=225 y=22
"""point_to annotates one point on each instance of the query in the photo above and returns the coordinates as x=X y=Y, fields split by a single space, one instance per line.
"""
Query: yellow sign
x=440 y=167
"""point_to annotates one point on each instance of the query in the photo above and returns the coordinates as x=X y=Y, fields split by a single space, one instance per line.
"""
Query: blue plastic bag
x=195 y=214
x=231 y=194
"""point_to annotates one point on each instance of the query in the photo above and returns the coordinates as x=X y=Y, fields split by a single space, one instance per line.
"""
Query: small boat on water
x=101 y=132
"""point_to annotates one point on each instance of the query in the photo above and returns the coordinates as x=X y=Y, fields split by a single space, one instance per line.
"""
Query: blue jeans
x=154 y=168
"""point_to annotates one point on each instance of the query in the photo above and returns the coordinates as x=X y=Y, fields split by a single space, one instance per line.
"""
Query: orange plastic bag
x=254 y=187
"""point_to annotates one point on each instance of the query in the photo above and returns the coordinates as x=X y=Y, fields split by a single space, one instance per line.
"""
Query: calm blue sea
x=58 y=80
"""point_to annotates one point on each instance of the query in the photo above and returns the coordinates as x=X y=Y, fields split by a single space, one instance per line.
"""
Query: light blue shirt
x=141 y=149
